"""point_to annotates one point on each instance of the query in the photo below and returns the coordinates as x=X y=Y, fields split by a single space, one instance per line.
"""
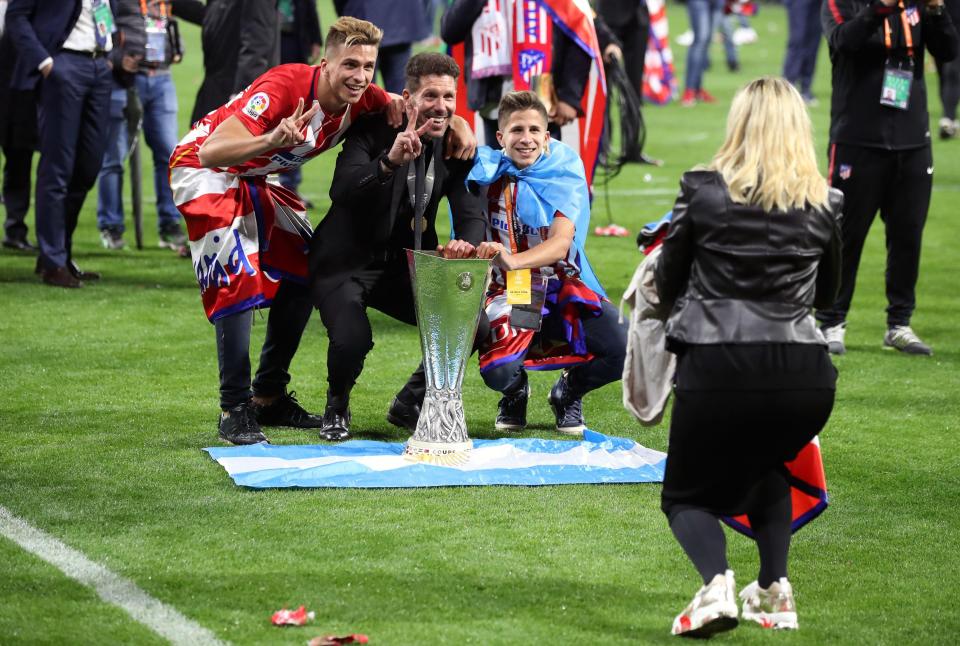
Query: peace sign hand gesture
x=407 y=145
x=289 y=132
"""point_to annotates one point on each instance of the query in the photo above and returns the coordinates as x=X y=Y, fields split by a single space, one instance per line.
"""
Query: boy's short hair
x=518 y=102
x=349 y=31
x=428 y=63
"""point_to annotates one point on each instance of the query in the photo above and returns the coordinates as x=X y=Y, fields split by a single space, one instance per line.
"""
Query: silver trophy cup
x=448 y=295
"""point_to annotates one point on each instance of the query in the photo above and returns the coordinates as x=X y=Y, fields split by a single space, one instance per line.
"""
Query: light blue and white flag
x=364 y=464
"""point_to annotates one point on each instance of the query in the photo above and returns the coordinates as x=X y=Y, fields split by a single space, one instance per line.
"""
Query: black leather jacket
x=737 y=274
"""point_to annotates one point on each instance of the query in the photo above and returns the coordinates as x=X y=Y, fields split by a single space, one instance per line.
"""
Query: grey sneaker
x=834 y=335
x=771 y=608
x=904 y=339
x=948 y=128
x=111 y=239
x=172 y=238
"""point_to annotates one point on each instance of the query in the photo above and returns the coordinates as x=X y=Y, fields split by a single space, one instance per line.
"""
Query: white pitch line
x=112 y=588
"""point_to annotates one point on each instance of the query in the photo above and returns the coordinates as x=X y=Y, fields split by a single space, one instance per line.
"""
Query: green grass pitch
x=108 y=393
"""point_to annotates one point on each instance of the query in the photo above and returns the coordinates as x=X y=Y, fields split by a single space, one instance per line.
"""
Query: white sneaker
x=904 y=339
x=771 y=608
x=834 y=338
x=745 y=36
x=948 y=128
x=685 y=39
x=713 y=609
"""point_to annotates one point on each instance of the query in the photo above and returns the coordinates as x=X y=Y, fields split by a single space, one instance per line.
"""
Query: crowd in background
x=137 y=98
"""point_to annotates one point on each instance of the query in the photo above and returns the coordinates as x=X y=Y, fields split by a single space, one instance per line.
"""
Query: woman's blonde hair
x=768 y=158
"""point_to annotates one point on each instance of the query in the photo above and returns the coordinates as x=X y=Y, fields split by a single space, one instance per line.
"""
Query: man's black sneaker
x=403 y=415
x=512 y=410
x=566 y=408
x=286 y=411
x=336 y=425
x=240 y=427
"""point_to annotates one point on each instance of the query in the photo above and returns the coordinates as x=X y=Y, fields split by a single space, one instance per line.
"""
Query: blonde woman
x=752 y=246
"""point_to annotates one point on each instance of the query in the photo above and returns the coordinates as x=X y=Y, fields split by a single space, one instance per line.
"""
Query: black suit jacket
x=356 y=231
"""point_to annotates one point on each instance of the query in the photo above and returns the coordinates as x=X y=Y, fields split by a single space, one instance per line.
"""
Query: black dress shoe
x=403 y=415
x=60 y=277
x=336 y=425
x=80 y=274
x=20 y=244
x=285 y=411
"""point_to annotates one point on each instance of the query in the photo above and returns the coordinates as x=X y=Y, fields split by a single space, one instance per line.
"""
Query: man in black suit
x=62 y=47
x=357 y=255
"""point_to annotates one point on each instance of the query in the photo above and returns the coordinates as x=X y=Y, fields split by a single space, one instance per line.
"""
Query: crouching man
x=358 y=254
x=546 y=308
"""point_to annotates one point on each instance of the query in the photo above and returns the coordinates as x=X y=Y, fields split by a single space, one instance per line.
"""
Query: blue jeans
x=726 y=25
x=158 y=97
x=703 y=16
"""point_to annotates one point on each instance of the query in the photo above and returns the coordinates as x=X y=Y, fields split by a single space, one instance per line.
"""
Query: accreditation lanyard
x=514 y=226
x=526 y=289
x=156 y=29
x=897 y=82
x=907 y=32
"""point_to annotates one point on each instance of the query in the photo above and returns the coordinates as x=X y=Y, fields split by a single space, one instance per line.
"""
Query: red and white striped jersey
x=272 y=97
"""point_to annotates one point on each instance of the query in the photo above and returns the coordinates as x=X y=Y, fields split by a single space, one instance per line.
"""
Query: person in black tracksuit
x=880 y=155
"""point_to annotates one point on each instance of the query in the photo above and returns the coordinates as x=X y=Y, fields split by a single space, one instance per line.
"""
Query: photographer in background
x=880 y=155
x=145 y=44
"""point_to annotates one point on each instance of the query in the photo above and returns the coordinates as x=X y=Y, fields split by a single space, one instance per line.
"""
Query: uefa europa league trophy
x=447 y=295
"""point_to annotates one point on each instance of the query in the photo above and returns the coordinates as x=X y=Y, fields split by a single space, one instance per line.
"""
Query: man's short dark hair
x=429 y=63
x=518 y=102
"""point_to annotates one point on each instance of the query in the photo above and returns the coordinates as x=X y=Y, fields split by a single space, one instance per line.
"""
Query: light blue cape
x=555 y=182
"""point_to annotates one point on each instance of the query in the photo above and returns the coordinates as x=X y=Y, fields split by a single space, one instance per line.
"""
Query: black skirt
x=740 y=412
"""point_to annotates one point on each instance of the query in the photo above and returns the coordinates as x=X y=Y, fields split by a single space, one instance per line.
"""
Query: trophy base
x=441 y=453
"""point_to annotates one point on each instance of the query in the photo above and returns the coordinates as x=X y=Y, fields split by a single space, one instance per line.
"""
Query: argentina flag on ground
x=598 y=459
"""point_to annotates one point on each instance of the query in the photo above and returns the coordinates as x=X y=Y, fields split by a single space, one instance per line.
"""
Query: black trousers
x=949 y=74
x=385 y=287
x=19 y=137
x=16 y=190
x=634 y=36
x=73 y=120
x=286 y=322
x=897 y=183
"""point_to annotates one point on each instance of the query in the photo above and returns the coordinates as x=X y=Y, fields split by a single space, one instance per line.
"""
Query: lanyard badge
x=102 y=23
x=156 y=30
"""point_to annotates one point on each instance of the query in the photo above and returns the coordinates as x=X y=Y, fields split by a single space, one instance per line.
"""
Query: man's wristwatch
x=389 y=165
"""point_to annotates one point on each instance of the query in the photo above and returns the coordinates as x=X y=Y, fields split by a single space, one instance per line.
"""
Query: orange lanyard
x=509 y=199
x=163 y=8
x=907 y=33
